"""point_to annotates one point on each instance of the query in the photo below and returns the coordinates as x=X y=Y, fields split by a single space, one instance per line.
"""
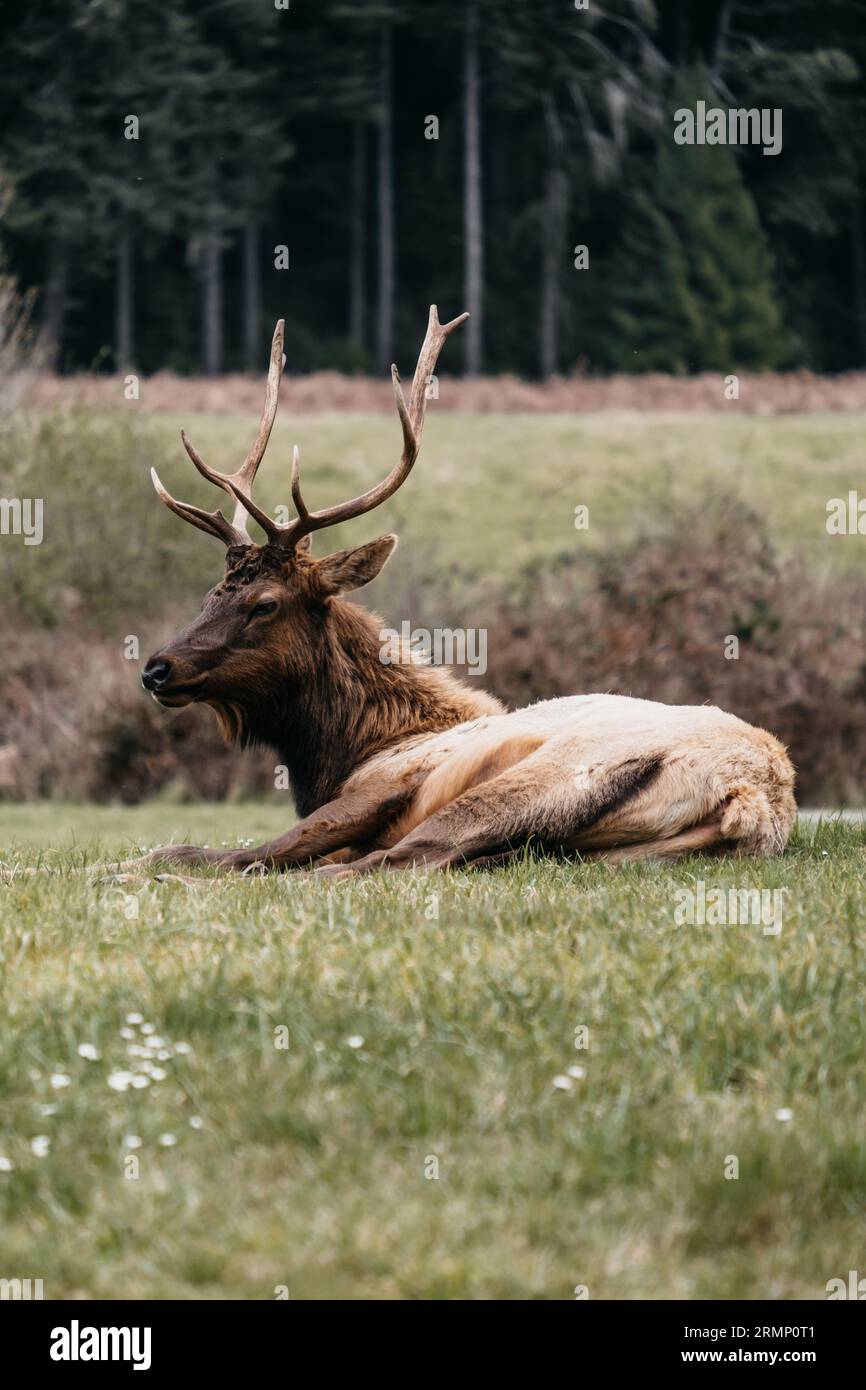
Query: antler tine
x=213 y=523
x=239 y=484
x=300 y=504
x=244 y=504
x=245 y=475
x=412 y=423
x=427 y=359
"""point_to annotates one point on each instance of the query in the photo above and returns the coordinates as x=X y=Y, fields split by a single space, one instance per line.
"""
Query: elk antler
x=214 y=523
x=412 y=421
x=239 y=484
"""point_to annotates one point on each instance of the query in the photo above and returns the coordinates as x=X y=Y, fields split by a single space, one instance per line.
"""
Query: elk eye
x=261 y=610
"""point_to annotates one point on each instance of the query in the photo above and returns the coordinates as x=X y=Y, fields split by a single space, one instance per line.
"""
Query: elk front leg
x=475 y=826
x=340 y=826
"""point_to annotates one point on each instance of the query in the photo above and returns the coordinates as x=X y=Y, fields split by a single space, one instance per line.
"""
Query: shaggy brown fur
x=310 y=682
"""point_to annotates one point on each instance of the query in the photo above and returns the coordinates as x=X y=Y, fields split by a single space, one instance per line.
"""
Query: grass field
x=523 y=475
x=491 y=494
x=431 y=1027
x=431 y=1129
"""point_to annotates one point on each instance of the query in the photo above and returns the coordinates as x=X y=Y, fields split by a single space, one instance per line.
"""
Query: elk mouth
x=175 y=696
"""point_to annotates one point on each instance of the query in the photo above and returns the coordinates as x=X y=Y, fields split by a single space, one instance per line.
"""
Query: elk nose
x=155 y=674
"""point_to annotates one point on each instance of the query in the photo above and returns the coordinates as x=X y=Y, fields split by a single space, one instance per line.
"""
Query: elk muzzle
x=155 y=675
x=171 y=682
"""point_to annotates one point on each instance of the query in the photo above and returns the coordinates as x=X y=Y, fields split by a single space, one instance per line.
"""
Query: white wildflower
x=120 y=1080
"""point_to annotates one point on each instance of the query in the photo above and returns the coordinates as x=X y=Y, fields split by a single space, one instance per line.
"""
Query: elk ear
x=351 y=569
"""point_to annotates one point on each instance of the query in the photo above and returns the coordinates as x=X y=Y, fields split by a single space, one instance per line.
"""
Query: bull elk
x=401 y=764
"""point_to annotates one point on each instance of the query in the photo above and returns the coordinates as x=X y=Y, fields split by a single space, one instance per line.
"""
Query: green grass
x=491 y=495
x=308 y=1168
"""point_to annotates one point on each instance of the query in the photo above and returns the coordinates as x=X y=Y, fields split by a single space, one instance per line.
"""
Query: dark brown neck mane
x=351 y=706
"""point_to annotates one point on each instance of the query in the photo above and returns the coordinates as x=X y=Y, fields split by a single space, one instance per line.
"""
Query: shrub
x=104 y=536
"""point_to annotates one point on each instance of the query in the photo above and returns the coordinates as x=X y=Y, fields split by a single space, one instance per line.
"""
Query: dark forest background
x=304 y=124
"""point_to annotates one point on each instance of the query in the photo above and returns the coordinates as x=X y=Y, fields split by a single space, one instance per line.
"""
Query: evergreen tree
x=692 y=284
x=539 y=107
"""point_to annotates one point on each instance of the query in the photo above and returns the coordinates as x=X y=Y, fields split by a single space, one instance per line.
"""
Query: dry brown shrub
x=76 y=725
x=766 y=393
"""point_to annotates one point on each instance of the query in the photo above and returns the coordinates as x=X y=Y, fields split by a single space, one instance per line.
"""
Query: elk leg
x=339 y=825
x=491 y=821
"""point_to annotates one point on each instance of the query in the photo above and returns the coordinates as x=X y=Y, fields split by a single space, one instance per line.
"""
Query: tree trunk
x=55 y=302
x=357 y=238
x=723 y=27
x=385 y=312
x=212 y=288
x=212 y=305
x=554 y=214
x=683 y=47
x=859 y=268
x=252 y=298
x=473 y=225
x=123 y=300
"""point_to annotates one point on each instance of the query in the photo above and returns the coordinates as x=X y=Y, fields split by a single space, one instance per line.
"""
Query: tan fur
x=700 y=837
x=481 y=761
x=559 y=752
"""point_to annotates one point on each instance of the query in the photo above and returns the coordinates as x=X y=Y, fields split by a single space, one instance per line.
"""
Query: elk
x=400 y=764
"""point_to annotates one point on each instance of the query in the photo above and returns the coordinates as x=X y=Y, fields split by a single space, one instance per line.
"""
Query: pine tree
x=691 y=288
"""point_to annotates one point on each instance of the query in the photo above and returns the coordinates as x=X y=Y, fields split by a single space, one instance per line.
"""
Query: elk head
x=260 y=631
